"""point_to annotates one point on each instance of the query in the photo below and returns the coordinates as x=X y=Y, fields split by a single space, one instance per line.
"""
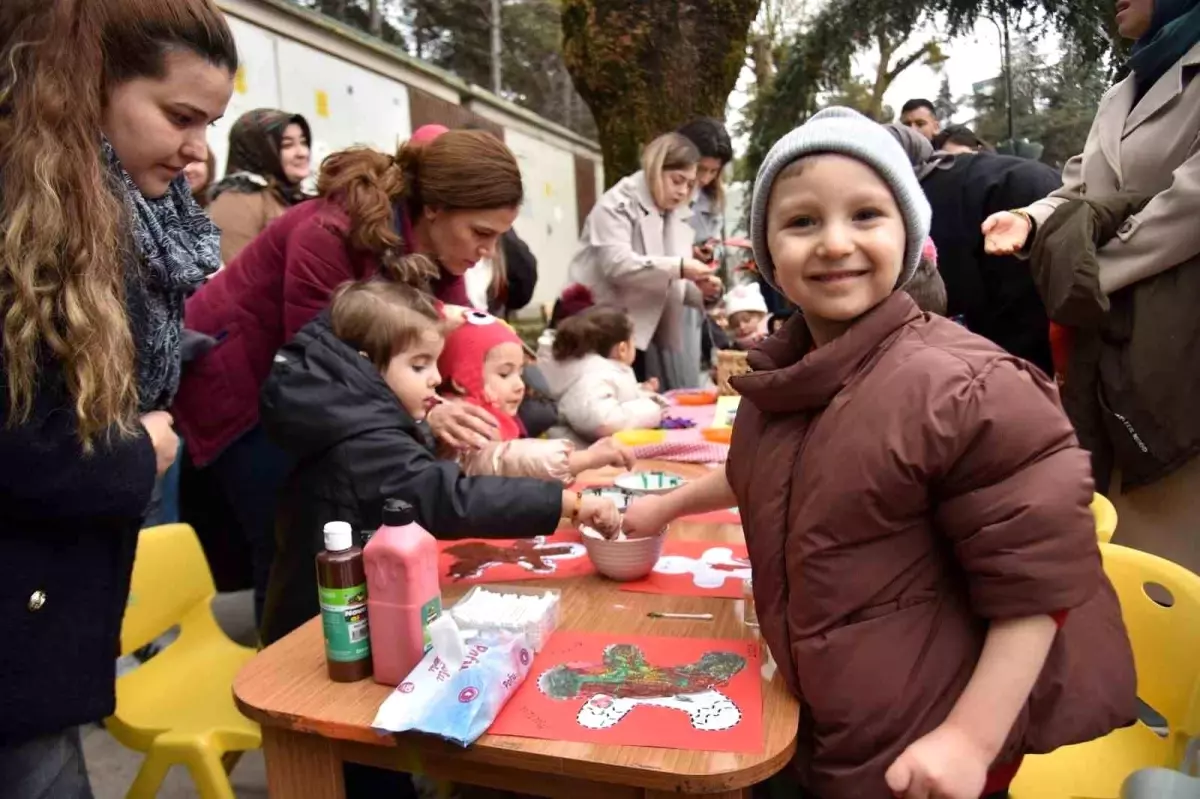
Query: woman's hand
x=600 y=514
x=704 y=252
x=462 y=426
x=646 y=517
x=945 y=764
x=693 y=269
x=1005 y=233
x=160 y=426
x=710 y=286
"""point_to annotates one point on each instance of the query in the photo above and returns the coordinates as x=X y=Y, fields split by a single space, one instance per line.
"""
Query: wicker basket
x=730 y=363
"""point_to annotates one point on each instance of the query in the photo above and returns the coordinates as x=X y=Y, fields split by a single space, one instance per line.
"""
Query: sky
x=970 y=58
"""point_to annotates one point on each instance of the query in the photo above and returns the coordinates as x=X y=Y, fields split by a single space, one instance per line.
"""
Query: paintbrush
x=654 y=614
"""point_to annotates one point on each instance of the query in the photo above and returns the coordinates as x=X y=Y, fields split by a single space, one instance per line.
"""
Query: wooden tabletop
x=285 y=687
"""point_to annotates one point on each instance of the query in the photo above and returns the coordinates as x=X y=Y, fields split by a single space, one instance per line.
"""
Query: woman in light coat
x=1145 y=140
x=635 y=252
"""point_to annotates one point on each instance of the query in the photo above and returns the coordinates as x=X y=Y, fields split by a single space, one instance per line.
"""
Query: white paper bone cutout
x=711 y=711
x=704 y=575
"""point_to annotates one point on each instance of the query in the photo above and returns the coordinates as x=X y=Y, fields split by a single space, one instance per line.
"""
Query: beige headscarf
x=920 y=152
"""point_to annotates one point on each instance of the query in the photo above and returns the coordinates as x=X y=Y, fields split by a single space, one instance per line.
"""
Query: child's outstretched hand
x=945 y=764
x=645 y=517
x=600 y=514
x=608 y=452
x=650 y=385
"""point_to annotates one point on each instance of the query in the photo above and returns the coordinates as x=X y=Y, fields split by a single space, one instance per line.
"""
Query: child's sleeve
x=1014 y=494
x=593 y=410
x=545 y=459
x=449 y=503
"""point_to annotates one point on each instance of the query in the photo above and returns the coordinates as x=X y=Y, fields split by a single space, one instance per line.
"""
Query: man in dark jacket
x=993 y=295
x=355 y=446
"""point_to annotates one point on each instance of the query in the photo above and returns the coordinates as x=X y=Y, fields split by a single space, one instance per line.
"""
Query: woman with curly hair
x=102 y=105
x=449 y=198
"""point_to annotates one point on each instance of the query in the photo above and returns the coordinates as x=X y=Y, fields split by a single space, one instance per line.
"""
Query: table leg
x=301 y=766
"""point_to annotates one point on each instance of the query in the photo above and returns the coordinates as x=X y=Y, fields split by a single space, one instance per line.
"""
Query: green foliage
x=944 y=104
x=1053 y=104
x=817 y=60
x=647 y=67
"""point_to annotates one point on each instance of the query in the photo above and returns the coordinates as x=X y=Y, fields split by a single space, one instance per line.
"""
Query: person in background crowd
x=993 y=295
x=1146 y=439
x=920 y=115
x=200 y=176
x=450 y=198
x=956 y=139
x=102 y=105
x=708 y=221
x=269 y=159
x=635 y=252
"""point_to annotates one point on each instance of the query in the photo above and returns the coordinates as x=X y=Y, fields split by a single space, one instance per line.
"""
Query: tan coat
x=1149 y=150
x=1152 y=149
x=629 y=256
x=242 y=216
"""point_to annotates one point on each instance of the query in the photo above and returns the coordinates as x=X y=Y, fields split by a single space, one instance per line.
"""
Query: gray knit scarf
x=174 y=249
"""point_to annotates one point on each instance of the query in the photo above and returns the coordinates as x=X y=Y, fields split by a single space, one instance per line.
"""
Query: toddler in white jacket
x=588 y=364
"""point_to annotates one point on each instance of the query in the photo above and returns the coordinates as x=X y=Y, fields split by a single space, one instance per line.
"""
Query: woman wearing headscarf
x=1144 y=147
x=269 y=159
x=991 y=294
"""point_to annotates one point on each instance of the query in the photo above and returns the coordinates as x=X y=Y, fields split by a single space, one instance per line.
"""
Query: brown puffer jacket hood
x=901 y=486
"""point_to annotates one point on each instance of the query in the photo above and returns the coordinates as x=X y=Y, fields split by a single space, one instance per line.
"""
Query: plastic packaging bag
x=458 y=704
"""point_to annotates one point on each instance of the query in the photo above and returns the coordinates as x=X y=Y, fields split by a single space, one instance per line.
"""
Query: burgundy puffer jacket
x=901 y=486
x=254 y=306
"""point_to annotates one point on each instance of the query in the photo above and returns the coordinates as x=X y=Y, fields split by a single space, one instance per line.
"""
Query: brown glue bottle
x=342 y=589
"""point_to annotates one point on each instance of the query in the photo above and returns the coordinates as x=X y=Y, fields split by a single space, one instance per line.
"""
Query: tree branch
x=908 y=61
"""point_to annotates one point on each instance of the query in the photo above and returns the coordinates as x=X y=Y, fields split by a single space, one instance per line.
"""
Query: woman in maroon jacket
x=450 y=198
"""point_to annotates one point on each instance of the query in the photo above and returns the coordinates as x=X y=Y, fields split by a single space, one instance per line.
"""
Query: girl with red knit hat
x=481 y=364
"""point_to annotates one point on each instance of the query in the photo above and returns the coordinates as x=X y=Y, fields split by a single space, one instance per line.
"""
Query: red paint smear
x=683 y=584
x=532 y=714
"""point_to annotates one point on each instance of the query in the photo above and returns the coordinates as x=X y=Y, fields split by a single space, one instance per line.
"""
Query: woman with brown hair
x=102 y=105
x=635 y=251
x=450 y=198
x=269 y=158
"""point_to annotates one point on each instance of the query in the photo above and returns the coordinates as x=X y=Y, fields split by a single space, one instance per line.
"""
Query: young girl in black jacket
x=347 y=398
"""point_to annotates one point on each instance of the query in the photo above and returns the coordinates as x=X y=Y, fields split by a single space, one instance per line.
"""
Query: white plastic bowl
x=623 y=559
x=649 y=482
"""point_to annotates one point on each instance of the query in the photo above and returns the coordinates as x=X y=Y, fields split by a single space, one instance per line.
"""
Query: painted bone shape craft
x=710 y=570
x=625 y=680
x=473 y=558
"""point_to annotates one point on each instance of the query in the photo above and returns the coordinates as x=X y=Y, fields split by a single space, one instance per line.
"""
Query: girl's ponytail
x=594 y=331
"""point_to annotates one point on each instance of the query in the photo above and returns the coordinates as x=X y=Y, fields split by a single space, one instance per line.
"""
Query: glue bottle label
x=344 y=618
x=429 y=612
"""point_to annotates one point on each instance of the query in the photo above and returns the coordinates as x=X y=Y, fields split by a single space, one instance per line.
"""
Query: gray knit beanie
x=845 y=132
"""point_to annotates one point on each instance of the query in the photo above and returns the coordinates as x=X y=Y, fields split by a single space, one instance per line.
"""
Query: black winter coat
x=68 y=530
x=355 y=446
x=994 y=295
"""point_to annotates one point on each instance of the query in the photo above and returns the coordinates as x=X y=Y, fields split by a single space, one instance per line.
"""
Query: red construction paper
x=671 y=693
x=697 y=568
x=503 y=560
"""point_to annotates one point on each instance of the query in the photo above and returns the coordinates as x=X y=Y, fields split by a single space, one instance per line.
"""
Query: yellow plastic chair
x=1106 y=518
x=178 y=706
x=1166 y=641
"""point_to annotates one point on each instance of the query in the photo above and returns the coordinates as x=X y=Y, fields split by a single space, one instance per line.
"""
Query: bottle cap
x=338 y=536
x=397 y=513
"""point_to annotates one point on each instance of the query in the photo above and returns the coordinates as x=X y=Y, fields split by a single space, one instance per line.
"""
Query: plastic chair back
x=1106 y=518
x=170 y=578
x=1160 y=602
